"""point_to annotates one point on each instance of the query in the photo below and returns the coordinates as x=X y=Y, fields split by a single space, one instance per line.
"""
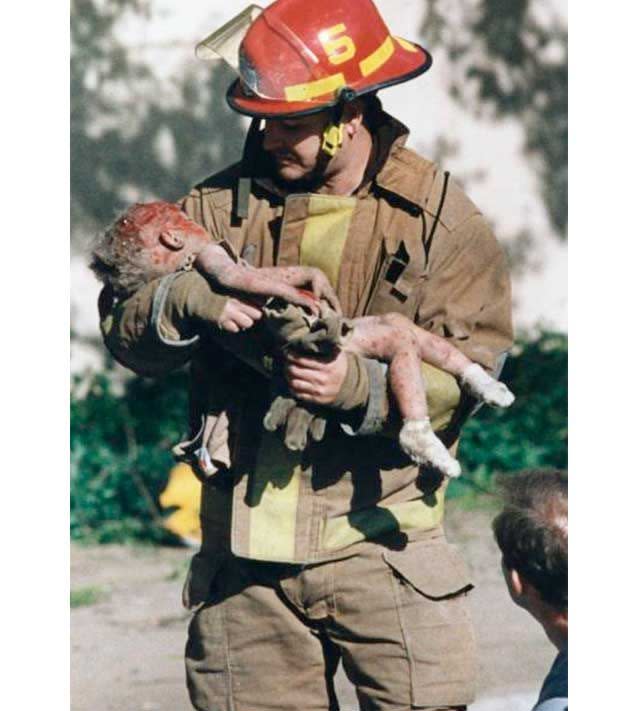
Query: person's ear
x=515 y=583
x=353 y=119
x=172 y=240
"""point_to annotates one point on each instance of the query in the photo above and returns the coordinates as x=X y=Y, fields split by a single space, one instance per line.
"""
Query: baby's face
x=165 y=235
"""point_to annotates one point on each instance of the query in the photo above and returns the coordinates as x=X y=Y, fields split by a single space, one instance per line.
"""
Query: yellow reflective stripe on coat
x=182 y=492
x=313 y=89
x=378 y=58
x=325 y=233
x=273 y=497
x=421 y=514
x=443 y=394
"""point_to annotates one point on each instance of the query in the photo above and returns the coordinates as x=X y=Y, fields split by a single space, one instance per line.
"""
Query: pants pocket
x=431 y=583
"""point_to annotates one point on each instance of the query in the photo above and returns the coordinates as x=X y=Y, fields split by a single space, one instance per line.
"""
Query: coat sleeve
x=466 y=295
x=465 y=298
x=158 y=328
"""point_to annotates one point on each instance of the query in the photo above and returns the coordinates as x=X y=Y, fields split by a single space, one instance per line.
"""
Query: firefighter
x=333 y=552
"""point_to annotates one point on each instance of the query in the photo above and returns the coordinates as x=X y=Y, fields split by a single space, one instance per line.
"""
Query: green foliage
x=82 y=597
x=533 y=431
x=120 y=456
x=120 y=443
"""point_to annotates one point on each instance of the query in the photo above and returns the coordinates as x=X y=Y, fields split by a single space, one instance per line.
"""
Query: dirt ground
x=127 y=645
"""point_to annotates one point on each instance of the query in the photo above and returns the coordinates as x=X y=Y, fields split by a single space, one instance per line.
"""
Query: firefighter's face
x=295 y=144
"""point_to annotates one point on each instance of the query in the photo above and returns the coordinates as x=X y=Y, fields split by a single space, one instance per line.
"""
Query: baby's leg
x=416 y=437
x=374 y=336
x=442 y=354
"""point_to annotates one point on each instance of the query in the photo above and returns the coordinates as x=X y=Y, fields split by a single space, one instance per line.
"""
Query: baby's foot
x=485 y=388
x=418 y=441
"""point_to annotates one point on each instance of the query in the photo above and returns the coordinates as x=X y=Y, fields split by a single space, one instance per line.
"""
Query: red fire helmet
x=296 y=58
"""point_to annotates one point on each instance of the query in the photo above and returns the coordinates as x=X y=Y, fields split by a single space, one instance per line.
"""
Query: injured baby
x=155 y=239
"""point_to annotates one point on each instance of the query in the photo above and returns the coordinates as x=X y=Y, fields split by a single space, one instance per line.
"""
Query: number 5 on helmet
x=290 y=63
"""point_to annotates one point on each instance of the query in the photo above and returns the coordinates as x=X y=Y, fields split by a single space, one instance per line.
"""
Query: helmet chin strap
x=333 y=133
x=242 y=195
x=332 y=139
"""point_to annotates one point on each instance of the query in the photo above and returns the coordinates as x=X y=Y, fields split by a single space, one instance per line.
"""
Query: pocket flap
x=436 y=570
x=202 y=571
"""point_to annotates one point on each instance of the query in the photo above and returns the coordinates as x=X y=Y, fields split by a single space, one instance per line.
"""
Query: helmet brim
x=405 y=64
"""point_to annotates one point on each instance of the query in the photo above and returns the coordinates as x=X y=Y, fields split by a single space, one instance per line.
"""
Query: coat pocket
x=431 y=581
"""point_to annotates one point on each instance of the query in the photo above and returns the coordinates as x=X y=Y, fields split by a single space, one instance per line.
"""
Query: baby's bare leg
x=442 y=354
x=376 y=336
x=215 y=263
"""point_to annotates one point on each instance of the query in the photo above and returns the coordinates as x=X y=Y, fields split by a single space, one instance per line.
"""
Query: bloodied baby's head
x=148 y=241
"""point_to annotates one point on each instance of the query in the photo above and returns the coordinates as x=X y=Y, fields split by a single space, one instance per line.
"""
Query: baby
x=156 y=239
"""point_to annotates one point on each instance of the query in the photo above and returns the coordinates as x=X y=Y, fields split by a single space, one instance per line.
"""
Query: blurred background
x=148 y=121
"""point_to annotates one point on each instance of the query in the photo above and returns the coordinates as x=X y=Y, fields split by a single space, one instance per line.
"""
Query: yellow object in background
x=183 y=492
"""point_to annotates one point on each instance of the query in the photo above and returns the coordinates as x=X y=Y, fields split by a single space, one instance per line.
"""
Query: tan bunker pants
x=270 y=636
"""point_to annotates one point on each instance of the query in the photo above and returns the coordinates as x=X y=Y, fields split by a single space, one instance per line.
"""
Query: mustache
x=281 y=152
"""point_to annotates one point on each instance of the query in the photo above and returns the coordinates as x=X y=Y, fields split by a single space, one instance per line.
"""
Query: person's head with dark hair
x=531 y=532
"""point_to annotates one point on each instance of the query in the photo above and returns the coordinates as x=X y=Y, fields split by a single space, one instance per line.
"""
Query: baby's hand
x=238 y=316
x=322 y=289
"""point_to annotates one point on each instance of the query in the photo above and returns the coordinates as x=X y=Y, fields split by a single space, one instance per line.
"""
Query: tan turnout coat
x=409 y=241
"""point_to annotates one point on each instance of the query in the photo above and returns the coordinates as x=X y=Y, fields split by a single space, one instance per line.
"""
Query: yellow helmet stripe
x=406 y=45
x=312 y=89
x=378 y=58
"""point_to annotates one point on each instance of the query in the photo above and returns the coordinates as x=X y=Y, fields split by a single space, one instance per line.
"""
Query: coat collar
x=401 y=173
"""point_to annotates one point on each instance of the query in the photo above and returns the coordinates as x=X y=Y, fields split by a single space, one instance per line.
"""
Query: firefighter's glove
x=299 y=422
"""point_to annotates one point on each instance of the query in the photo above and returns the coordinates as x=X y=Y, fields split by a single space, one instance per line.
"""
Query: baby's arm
x=308 y=277
x=216 y=264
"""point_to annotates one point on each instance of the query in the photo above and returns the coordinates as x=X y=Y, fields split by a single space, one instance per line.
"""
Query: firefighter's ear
x=172 y=240
x=352 y=118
